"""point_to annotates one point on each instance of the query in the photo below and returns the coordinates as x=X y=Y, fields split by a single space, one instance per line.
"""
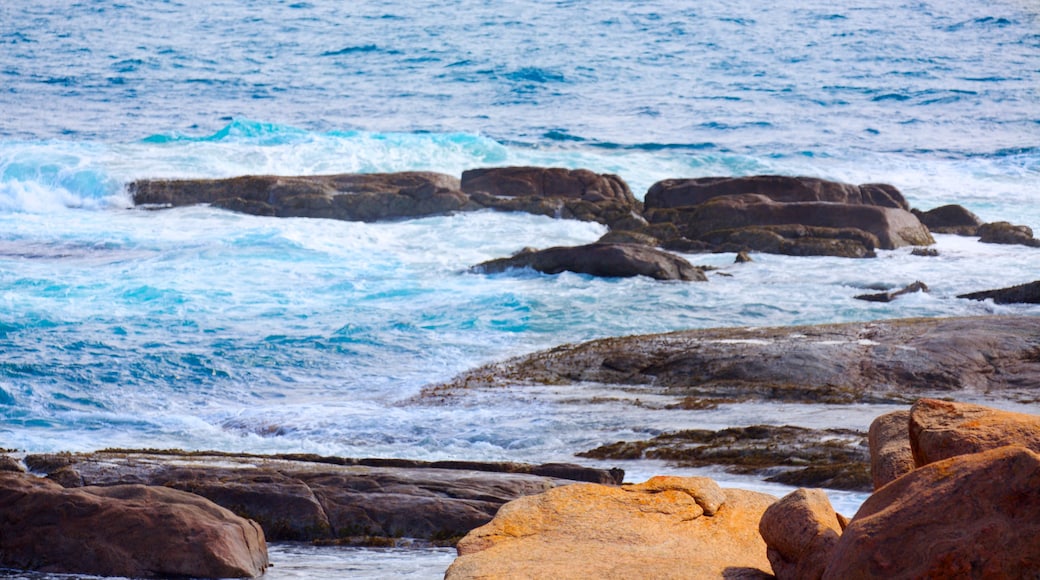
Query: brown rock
x=672 y=193
x=940 y=429
x=801 y=530
x=1006 y=233
x=8 y=463
x=890 y=454
x=552 y=182
x=890 y=296
x=971 y=516
x=606 y=260
x=660 y=529
x=950 y=219
x=128 y=530
x=1021 y=294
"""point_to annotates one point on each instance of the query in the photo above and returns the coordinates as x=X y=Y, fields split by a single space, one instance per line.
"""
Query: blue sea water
x=203 y=329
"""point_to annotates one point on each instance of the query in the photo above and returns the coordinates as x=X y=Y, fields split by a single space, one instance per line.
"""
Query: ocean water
x=203 y=329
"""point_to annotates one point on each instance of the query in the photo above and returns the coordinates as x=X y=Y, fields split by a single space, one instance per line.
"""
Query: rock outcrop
x=126 y=530
x=801 y=530
x=1028 y=293
x=667 y=527
x=892 y=361
x=548 y=182
x=1007 y=233
x=950 y=219
x=939 y=430
x=674 y=193
x=312 y=498
x=612 y=260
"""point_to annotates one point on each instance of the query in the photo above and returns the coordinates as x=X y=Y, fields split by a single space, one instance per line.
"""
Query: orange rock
x=801 y=530
x=970 y=516
x=890 y=453
x=658 y=529
x=940 y=429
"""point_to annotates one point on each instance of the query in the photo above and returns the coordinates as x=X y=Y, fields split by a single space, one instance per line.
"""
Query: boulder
x=950 y=219
x=970 y=516
x=890 y=296
x=795 y=240
x=548 y=182
x=800 y=531
x=1022 y=294
x=890 y=454
x=941 y=429
x=668 y=527
x=611 y=260
x=357 y=197
x=672 y=193
x=1007 y=233
x=127 y=530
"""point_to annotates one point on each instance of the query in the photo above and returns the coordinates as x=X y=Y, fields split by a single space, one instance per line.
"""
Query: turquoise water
x=198 y=328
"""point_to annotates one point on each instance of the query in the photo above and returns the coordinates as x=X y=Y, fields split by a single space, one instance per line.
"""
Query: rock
x=605 y=260
x=548 y=182
x=305 y=497
x=833 y=458
x=1021 y=294
x=971 y=516
x=940 y=429
x=128 y=530
x=795 y=240
x=890 y=296
x=8 y=463
x=1006 y=233
x=880 y=361
x=890 y=453
x=668 y=527
x=742 y=258
x=950 y=219
x=800 y=531
x=358 y=197
x=925 y=252
x=671 y=193
x=627 y=237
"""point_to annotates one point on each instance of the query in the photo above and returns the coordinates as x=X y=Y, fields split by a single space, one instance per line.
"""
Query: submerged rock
x=1021 y=294
x=612 y=260
x=125 y=530
x=667 y=527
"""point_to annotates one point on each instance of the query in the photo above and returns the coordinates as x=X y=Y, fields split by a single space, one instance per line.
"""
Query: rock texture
x=668 y=527
x=1021 y=294
x=612 y=260
x=940 y=429
x=890 y=454
x=950 y=219
x=801 y=530
x=890 y=296
x=552 y=182
x=892 y=361
x=310 y=497
x=782 y=188
x=1007 y=233
x=127 y=530
x=970 y=516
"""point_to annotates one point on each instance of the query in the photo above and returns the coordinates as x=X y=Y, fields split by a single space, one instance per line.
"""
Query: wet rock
x=800 y=531
x=605 y=260
x=941 y=429
x=547 y=182
x=970 y=516
x=925 y=252
x=890 y=454
x=950 y=219
x=742 y=258
x=8 y=463
x=304 y=497
x=890 y=296
x=668 y=527
x=880 y=361
x=1007 y=233
x=128 y=530
x=795 y=240
x=833 y=458
x=1021 y=294
x=671 y=193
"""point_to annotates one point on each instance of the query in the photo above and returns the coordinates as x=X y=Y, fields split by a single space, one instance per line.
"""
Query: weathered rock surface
x=890 y=296
x=612 y=260
x=950 y=219
x=552 y=182
x=890 y=454
x=970 y=516
x=1021 y=294
x=880 y=361
x=127 y=530
x=832 y=458
x=668 y=527
x=671 y=193
x=940 y=429
x=1007 y=233
x=800 y=531
x=310 y=497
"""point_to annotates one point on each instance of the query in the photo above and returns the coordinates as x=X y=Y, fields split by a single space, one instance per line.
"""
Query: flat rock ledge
x=893 y=361
x=306 y=497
